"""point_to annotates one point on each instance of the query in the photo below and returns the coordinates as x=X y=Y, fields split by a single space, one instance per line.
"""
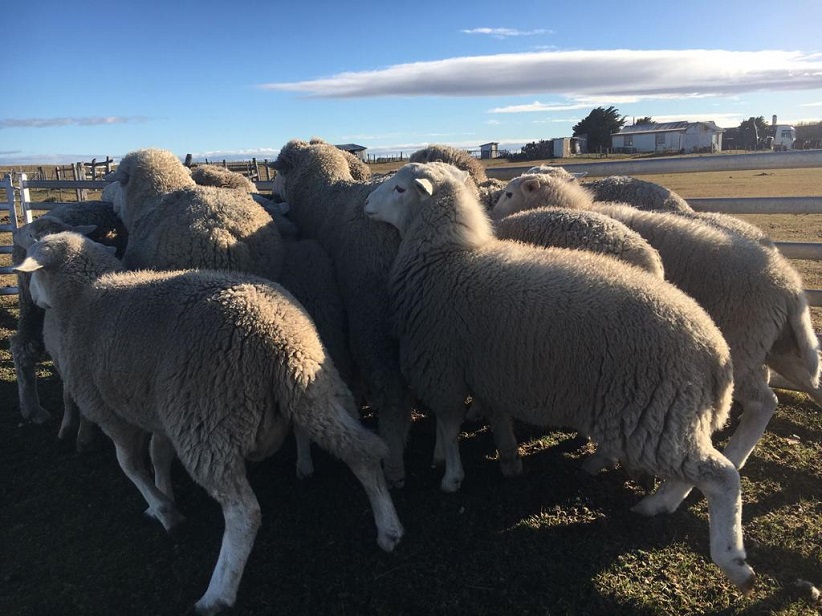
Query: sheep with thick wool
x=96 y=219
x=170 y=218
x=221 y=177
x=747 y=287
x=217 y=227
x=641 y=194
x=218 y=363
x=325 y=203
x=581 y=230
x=487 y=188
x=559 y=338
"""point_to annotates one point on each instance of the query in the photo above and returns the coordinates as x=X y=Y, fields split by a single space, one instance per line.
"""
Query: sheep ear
x=424 y=185
x=29 y=264
x=117 y=176
x=530 y=186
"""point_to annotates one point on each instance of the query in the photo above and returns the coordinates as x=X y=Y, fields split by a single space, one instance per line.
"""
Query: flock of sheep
x=208 y=321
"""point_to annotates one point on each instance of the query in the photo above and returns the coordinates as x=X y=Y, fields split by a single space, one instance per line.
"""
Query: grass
x=74 y=541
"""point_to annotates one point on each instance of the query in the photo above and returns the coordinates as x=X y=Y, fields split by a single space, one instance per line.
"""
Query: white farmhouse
x=683 y=137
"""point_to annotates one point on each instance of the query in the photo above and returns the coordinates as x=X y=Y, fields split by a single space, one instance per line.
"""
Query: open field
x=73 y=540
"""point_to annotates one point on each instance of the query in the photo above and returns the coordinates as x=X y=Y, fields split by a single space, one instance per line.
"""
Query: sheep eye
x=509 y=194
x=399 y=189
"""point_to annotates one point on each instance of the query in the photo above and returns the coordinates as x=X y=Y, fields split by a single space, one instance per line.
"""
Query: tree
x=645 y=120
x=598 y=127
x=752 y=133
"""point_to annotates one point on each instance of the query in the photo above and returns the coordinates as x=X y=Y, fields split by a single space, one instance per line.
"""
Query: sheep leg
x=718 y=479
x=305 y=465
x=665 y=499
x=128 y=442
x=502 y=427
x=86 y=435
x=370 y=475
x=71 y=419
x=792 y=368
x=448 y=431
x=162 y=455
x=242 y=515
x=25 y=360
x=758 y=406
x=394 y=421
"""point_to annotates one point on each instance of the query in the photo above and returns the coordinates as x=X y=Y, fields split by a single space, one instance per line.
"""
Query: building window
x=629 y=140
x=660 y=139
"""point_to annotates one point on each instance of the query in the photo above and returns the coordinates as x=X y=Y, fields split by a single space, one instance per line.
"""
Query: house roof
x=351 y=147
x=490 y=143
x=664 y=127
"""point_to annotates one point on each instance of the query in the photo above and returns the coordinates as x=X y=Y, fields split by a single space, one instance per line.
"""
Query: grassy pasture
x=73 y=540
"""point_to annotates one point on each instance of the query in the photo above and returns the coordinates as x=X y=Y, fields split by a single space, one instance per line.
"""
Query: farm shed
x=669 y=137
x=489 y=150
x=357 y=150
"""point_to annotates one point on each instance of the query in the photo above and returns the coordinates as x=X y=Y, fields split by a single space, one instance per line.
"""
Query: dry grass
x=74 y=542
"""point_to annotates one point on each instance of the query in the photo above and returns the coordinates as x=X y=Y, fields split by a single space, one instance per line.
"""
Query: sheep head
x=441 y=196
x=64 y=256
x=534 y=190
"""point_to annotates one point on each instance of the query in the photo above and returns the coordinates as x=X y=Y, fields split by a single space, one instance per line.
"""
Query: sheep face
x=534 y=190
x=515 y=196
x=60 y=253
x=395 y=200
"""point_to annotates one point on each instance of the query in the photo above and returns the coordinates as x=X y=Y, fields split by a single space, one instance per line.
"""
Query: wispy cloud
x=819 y=104
x=505 y=32
x=605 y=74
x=80 y=121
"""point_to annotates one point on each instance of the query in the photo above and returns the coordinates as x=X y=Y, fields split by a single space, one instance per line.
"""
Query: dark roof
x=351 y=147
x=490 y=143
x=662 y=127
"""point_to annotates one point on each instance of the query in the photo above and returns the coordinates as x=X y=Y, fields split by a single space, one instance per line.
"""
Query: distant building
x=357 y=150
x=489 y=150
x=685 y=137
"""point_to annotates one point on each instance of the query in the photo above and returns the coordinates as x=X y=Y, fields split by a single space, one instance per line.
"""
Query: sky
x=235 y=80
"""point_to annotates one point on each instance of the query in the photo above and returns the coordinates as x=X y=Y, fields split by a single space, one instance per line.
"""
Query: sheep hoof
x=305 y=472
x=743 y=576
x=649 y=506
x=511 y=468
x=168 y=516
x=389 y=540
x=450 y=484
x=395 y=483
x=203 y=608
x=35 y=414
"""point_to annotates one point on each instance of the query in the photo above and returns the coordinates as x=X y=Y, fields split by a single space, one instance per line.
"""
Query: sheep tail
x=332 y=422
x=806 y=341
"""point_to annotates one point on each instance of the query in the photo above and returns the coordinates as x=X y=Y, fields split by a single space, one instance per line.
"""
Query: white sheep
x=325 y=203
x=217 y=363
x=487 y=188
x=640 y=194
x=533 y=190
x=752 y=293
x=169 y=218
x=580 y=230
x=221 y=177
x=559 y=338
x=96 y=219
x=219 y=227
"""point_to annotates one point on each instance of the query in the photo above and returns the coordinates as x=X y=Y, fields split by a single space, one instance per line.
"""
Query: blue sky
x=236 y=80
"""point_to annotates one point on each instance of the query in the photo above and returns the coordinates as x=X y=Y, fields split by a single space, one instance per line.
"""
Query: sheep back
x=209 y=228
x=581 y=230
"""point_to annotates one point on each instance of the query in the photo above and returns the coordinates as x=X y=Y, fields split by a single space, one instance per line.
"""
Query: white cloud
x=603 y=74
x=505 y=32
x=76 y=121
x=819 y=104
